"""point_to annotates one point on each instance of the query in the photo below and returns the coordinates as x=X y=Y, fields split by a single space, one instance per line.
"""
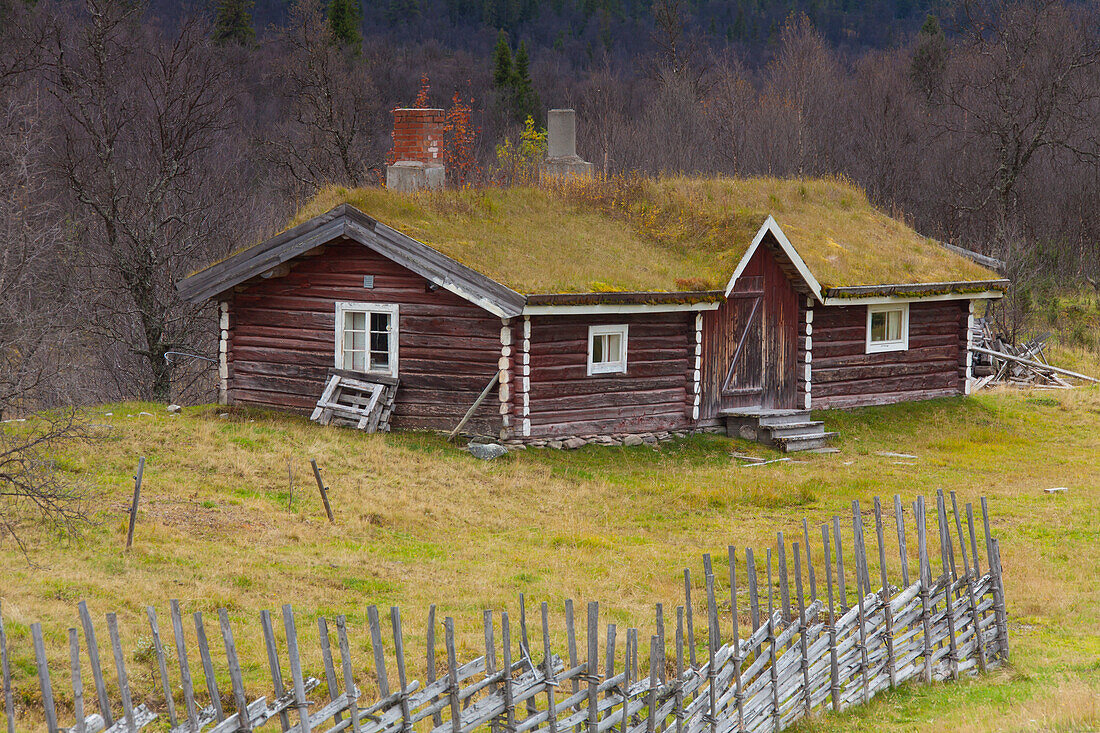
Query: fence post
x=78 y=684
x=888 y=614
x=925 y=582
x=323 y=489
x=947 y=555
x=452 y=674
x=162 y=664
x=834 y=671
x=296 y=669
x=803 y=650
x=548 y=671
x=44 y=679
x=899 y=519
x=593 y=669
x=273 y=665
x=345 y=663
x=5 y=669
x=999 y=598
x=93 y=661
x=506 y=658
x=861 y=562
x=690 y=617
x=208 y=667
x=738 y=695
x=134 y=505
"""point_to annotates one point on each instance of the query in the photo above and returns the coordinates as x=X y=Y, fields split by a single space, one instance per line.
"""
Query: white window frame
x=348 y=306
x=901 y=344
x=607 y=367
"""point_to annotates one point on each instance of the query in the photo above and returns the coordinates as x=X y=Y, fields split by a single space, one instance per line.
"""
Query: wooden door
x=743 y=383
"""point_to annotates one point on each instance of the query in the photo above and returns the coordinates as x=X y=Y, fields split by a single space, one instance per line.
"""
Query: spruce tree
x=502 y=63
x=234 y=23
x=343 y=21
x=526 y=100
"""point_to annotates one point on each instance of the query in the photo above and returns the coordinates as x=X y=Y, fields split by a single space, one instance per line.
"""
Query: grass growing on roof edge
x=663 y=234
x=418 y=521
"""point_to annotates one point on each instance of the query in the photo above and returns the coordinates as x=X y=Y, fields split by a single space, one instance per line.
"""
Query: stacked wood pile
x=804 y=652
x=997 y=361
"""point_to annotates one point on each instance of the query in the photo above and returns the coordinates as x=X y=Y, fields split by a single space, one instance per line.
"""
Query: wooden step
x=793 y=443
x=782 y=430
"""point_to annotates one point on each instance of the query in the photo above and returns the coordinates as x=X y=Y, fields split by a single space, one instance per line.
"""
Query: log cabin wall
x=655 y=394
x=844 y=375
x=281 y=340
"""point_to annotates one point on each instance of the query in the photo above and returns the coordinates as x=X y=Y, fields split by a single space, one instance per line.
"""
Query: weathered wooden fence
x=805 y=652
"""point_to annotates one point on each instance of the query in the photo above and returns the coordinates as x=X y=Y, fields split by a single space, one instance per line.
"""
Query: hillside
x=419 y=521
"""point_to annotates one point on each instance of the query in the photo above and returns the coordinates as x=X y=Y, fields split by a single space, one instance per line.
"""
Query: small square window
x=607 y=349
x=887 y=327
x=366 y=337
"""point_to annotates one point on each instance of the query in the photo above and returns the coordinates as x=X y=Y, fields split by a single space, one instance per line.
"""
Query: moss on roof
x=668 y=234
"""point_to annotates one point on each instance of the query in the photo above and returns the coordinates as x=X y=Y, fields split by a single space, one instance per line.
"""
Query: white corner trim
x=392 y=308
x=901 y=344
x=616 y=308
x=612 y=367
x=772 y=226
x=223 y=353
x=968 y=382
x=697 y=376
x=809 y=372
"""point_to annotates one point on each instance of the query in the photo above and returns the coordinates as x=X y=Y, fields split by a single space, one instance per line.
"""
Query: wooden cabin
x=597 y=323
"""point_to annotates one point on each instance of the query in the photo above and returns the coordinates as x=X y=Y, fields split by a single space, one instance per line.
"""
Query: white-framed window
x=887 y=327
x=366 y=337
x=607 y=349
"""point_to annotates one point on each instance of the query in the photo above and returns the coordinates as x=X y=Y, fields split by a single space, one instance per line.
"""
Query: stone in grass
x=574 y=443
x=1057 y=490
x=174 y=409
x=486 y=451
x=555 y=444
x=632 y=440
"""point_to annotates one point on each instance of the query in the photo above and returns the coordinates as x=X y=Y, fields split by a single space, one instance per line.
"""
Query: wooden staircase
x=785 y=430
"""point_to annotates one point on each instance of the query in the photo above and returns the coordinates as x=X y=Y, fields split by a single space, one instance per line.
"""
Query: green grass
x=420 y=522
x=667 y=234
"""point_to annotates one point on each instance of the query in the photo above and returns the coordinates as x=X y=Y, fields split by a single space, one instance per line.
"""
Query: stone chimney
x=417 y=150
x=561 y=147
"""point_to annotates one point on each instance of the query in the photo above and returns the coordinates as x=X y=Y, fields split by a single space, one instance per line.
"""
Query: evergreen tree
x=526 y=100
x=502 y=63
x=343 y=21
x=929 y=59
x=234 y=23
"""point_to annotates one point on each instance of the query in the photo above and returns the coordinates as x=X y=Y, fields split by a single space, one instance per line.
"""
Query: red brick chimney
x=417 y=150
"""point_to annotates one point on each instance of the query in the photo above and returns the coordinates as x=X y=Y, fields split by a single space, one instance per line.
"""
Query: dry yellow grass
x=666 y=234
x=419 y=522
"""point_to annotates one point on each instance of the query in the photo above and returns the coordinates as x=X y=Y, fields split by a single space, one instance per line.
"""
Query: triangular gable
x=772 y=227
x=347 y=221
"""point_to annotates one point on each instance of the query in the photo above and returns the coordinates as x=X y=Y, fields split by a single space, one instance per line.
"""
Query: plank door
x=743 y=383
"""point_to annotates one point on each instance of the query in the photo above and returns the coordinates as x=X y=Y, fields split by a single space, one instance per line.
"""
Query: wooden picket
x=804 y=655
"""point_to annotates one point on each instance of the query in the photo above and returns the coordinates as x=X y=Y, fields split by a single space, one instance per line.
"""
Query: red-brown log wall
x=653 y=395
x=844 y=375
x=282 y=339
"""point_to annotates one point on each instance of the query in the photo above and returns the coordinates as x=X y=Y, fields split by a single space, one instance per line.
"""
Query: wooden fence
x=805 y=652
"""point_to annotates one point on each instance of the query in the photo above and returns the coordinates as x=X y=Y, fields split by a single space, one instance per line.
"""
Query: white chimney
x=561 y=147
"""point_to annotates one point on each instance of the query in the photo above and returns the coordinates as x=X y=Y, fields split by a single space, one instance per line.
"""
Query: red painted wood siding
x=844 y=375
x=778 y=349
x=282 y=339
x=654 y=394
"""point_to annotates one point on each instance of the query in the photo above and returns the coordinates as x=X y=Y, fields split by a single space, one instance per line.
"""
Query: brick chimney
x=561 y=147
x=417 y=150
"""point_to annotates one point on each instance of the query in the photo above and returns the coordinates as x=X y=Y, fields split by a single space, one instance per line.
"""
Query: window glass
x=367 y=339
x=614 y=347
x=607 y=349
x=878 y=326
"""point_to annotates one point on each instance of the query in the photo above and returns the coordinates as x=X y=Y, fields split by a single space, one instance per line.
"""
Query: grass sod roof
x=663 y=235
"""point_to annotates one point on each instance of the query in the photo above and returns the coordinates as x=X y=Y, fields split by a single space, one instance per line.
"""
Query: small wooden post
x=379 y=654
x=93 y=661
x=713 y=643
x=888 y=614
x=754 y=598
x=548 y=670
x=525 y=647
x=162 y=664
x=506 y=658
x=593 y=668
x=679 y=690
x=690 y=622
x=738 y=695
x=323 y=489
x=208 y=667
x=326 y=658
x=925 y=585
x=134 y=504
x=899 y=518
x=651 y=720
x=948 y=592
x=120 y=668
x=345 y=663
x=490 y=656
x=784 y=581
x=244 y=722
x=185 y=669
x=773 y=668
x=609 y=656
x=300 y=701
x=861 y=561
x=571 y=637
x=78 y=684
x=659 y=613
x=437 y=717
x=273 y=665
x=999 y=598
x=834 y=672
x=452 y=674
x=807 y=692
x=44 y=679
x=625 y=724
x=402 y=672
x=5 y=669
x=842 y=593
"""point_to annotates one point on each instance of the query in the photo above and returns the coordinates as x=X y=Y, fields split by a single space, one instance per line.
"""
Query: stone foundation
x=572 y=442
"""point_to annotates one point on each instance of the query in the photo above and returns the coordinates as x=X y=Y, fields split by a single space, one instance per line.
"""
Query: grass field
x=421 y=522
